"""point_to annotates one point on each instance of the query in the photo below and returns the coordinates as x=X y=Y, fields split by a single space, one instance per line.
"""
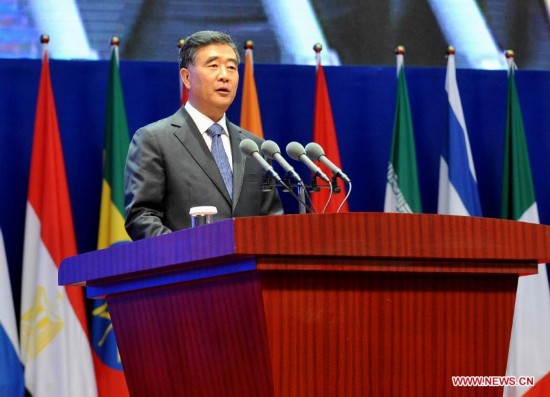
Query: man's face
x=212 y=81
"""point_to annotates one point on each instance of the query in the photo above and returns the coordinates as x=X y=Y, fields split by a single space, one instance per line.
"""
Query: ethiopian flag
x=107 y=362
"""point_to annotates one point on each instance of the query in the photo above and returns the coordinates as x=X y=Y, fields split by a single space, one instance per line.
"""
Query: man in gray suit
x=192 y=158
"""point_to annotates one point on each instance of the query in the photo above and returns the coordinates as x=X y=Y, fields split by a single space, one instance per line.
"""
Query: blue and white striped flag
x=458 y=194
x=12 y=382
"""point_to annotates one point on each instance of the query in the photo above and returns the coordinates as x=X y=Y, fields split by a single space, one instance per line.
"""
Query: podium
x=358 y=304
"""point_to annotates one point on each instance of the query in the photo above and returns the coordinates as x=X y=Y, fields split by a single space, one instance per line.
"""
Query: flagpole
x=44 y=40
x=317 y=47
x=509 y=54
x=249 y=51
x=399 y=57
x=115 y=42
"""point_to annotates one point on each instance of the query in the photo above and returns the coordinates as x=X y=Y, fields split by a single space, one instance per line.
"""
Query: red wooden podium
x=359 y=304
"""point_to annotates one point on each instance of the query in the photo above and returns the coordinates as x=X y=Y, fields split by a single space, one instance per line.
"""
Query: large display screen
x=353 y=32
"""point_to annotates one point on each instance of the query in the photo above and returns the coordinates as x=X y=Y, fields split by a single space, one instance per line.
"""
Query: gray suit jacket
x=170 y=169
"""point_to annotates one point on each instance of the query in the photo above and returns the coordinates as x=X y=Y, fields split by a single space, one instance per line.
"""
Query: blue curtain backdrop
x=363 y=100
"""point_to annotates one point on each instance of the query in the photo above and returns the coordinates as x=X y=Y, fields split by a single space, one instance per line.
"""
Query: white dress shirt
x=203 y=124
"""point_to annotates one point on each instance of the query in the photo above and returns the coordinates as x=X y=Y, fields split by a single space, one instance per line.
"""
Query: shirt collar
x=203 y=122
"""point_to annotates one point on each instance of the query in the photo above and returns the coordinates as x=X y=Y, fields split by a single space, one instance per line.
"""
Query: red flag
x=251 y=119
x=55 y=347
x=541 y=388
x=324 y=134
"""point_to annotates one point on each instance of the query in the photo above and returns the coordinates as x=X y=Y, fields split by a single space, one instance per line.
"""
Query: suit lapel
x=189 y=135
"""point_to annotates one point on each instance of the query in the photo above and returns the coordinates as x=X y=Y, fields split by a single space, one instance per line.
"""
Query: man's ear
x=184 y=73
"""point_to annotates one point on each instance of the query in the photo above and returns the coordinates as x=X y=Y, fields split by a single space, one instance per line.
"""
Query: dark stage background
x=360 y=32
x=363 y=100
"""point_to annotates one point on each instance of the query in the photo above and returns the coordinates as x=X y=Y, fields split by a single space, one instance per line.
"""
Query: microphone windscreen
x=248 y=146
x=269 y=148
x=314 y=151
x=295 y=150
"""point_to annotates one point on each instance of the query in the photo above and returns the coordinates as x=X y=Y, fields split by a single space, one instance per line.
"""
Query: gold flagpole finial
x=248 y=45
x=399 y=50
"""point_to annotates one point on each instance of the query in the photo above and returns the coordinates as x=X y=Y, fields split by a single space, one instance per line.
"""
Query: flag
x=458 y=194
x=541 y=388
x=251 y=118
x=518 y=192
x=12 y=382
x=402 y=189
x=108 y=366
x=55 y=347
x=324 y=133
x=529 y=353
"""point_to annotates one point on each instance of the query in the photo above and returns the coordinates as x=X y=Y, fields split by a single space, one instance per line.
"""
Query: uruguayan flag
x=458 y=194
x=11 y=369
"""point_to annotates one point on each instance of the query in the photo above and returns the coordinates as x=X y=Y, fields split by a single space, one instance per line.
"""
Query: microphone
x=250 y=148
x=298 y=153
x=315 y=152
x=271 y=150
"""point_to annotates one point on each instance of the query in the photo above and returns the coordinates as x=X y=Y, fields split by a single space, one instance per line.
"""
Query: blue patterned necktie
x=218 y=152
